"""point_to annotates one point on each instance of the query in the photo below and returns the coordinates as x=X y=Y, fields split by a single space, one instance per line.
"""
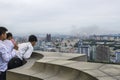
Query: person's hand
x=13 y=41
x=15 y=47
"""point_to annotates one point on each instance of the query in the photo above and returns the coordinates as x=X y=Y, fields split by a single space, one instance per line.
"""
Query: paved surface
x=63 y=66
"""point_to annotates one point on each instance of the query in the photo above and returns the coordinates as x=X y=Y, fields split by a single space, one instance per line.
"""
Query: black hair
x=2 y=30
x=9 y=35
x=32 y=38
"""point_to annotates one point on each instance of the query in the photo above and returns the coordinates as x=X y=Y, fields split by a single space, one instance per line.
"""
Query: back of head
x=32 y=38
x=2 y=30
x=9 y=35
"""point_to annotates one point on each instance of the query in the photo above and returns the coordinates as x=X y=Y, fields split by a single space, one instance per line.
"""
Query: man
x=25 y=49
x=23 y=53
x=5 y=55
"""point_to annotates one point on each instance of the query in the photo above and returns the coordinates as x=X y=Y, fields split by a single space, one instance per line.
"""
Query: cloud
x=89 y=16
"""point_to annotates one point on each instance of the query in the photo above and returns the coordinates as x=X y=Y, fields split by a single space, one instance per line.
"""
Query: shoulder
x=7 y=42
x=2 y=45
x=29 y=45
x=2 y=48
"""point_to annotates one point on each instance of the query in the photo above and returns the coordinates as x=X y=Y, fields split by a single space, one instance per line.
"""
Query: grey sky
x=61 y=16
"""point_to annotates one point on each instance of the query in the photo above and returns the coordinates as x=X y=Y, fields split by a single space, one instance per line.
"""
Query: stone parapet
x=63 y=66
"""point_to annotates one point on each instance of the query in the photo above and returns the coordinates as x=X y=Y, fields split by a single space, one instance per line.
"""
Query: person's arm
x=13 y=53
x=28 y=53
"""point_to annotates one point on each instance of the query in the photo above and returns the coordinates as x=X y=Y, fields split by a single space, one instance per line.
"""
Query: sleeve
x=28 y=53
x=13 y=53
x=5 y=55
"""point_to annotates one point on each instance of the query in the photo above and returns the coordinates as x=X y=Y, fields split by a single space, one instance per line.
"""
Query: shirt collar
x=30 y=43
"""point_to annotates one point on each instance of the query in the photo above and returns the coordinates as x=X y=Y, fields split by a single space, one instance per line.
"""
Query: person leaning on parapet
x=25 y=49
x=23 y=53
x=5 y=55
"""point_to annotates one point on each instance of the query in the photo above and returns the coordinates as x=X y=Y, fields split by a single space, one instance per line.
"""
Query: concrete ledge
x=60 y=66
x=49 y=71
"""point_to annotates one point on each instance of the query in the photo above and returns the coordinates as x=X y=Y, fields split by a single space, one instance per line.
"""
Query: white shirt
x=5 y=56
x=24 y=50
x=9 y=44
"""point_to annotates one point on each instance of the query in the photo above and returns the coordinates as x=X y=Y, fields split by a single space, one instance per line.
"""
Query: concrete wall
x=60 y=66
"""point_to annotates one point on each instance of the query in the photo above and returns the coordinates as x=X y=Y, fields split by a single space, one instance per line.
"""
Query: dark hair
x=9 y=35
x=32 y=38
x=2 y=30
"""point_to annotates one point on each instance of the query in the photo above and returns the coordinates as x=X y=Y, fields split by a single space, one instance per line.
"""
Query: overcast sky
x=61 y=16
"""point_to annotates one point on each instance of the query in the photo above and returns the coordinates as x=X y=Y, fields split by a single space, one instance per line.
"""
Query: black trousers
x=3 y=75
x=14 y=63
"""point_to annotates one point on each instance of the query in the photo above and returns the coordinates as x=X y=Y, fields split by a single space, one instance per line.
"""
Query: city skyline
x=60 y=16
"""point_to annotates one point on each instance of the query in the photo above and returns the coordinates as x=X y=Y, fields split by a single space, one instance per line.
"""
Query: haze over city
x=61 y=16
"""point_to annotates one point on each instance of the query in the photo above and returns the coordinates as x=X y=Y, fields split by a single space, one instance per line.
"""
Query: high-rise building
x=102 y=54
x=117 y=54
x=48 y=37
x=84 y=49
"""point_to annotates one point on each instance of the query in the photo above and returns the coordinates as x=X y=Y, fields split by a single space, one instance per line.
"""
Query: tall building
x=84 y=49
x=102 y=54
x=117 y=54
x=92 y=53
x=48 y=37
